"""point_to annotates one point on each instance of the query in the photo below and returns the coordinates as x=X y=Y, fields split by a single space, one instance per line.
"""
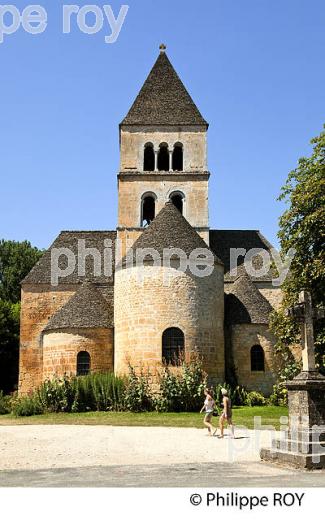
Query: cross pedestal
x=303 y=444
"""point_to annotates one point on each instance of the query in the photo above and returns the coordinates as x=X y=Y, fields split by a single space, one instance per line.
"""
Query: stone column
x=170 y=160
x=156 y=160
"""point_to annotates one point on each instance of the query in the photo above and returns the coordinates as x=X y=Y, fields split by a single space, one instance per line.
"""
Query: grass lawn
x=242 y=416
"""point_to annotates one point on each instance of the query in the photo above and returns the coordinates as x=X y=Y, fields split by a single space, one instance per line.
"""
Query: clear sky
x=255 y=68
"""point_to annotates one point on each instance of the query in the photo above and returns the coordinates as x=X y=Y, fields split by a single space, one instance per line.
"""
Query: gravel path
x=62 y=446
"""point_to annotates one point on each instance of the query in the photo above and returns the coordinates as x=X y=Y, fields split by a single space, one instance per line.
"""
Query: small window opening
x=178 y=158
x=173 y=345
x=83 y=363
x=177 y=200
x=148 y=210
x=163 y=158
x=257 y=359
x=149 y=158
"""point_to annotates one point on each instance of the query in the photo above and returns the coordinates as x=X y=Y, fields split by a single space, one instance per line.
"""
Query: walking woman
x=226 y=414
x=208 y=407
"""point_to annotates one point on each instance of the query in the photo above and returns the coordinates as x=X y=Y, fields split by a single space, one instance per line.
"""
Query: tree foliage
x=9 y=344
x=16 y=260
x=302 y=227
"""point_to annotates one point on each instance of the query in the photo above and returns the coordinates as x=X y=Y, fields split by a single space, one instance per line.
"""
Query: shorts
x=208 y=416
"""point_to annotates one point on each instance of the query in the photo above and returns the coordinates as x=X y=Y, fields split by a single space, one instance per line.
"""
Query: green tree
x=16 y=260
x=9 y=345
x=302 y=227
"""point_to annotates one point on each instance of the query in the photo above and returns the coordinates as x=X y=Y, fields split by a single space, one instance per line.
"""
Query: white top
x=209 y=405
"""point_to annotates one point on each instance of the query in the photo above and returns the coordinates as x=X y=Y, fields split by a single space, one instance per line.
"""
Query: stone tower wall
x=193 y=139
x=144 y=310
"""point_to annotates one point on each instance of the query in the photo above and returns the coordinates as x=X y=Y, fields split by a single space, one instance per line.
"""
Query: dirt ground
x=62 y=446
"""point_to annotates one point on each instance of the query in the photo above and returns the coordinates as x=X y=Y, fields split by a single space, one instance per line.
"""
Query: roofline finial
x=162 y=48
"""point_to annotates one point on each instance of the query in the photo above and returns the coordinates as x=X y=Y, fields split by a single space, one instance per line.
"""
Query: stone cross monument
x=304 y=443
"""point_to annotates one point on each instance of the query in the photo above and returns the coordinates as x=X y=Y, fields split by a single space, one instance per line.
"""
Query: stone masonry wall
x=60 y=350
x=133 y=188
x=38 y=304
x=144 y=311
x=244 y=336
x=134 y=139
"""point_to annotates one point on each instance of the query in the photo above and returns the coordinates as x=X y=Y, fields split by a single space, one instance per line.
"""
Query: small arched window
x=178 y=200
x=257 y=359
x=149 y=158
x=83 y=363
x=178 y=157
x=173 y=345
x=148 y=210
x=163 y=157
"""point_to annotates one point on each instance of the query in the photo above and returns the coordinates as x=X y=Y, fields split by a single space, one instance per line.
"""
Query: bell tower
x=163 y=155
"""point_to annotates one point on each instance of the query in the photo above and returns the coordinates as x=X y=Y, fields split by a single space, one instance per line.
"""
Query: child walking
x=208 y=407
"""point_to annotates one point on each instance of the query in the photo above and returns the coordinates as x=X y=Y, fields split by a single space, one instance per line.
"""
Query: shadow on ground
x=218 y=475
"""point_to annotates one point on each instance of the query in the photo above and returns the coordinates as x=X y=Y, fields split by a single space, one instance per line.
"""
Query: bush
x=255 y=399
x=94 y=392
x=108 y=391
x=237 y=395
x=182 y=389
x=55 y=395
x=26 y=406
x=5 y=403
x=102 y=392
x=138 y=396
x=279 y=396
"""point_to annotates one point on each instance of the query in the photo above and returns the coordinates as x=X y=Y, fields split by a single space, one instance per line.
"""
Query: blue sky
x=255 y=68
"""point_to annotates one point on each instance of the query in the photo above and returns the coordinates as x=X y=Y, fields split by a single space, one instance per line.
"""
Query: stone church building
x=147 y=312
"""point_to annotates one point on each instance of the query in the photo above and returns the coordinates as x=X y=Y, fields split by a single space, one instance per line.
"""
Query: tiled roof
x=170 y=230
x=87 y=308
x=163 y=99
x=245 y=303
x=41 y=272
x=224 y=243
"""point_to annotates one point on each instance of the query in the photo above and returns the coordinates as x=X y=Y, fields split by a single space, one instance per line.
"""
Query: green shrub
x=5 y=403
x=26 y=406
x=256 y=399
x=279 y=396
x=237 y=395
x=138 y=395
x=181 y=389
x=55 y=395
x=108 y=391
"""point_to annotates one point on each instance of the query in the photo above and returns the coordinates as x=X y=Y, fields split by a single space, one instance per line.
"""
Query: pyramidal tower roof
x=163 y=99
x=170 y=230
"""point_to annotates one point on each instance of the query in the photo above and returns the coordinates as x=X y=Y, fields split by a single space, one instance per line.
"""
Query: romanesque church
x=148 y=313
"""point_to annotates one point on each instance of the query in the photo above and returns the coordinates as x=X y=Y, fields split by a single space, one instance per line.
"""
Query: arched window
x=257 y=359
x=178 y=200
x=149 y=158
x=178 y=157
x=173 y=344
x=163 y=157
x=83 y=363
x=148 y=210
